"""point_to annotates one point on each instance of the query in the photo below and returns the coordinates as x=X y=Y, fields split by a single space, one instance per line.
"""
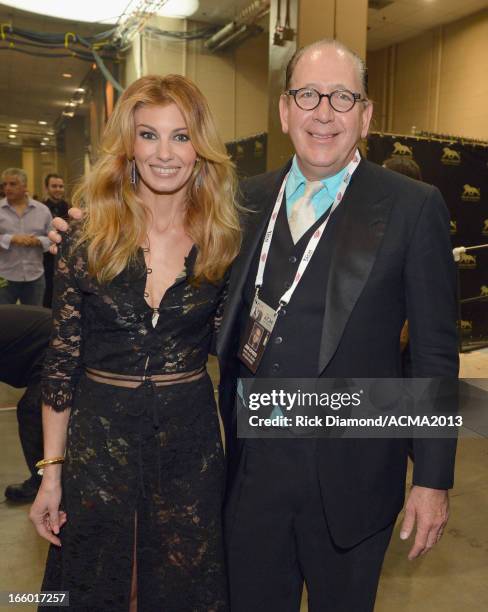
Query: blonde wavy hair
x=115 y=221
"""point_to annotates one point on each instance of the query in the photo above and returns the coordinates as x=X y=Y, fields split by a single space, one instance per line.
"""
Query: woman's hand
x=45 y=513
x=61 y=226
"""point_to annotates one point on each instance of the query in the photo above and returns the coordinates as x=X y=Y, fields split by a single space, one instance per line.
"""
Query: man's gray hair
x=22 y=174
x=329 y=42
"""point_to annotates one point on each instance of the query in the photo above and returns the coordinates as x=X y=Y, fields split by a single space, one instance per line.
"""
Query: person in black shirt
x=58 y=206
x=24 y=337
x=55 y=201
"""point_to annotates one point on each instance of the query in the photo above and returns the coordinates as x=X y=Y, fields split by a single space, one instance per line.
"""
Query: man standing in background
x=58 y=206
x=55 y=201
x=24 y=224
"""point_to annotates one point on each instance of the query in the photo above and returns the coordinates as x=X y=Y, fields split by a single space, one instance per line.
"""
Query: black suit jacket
x=391 y=260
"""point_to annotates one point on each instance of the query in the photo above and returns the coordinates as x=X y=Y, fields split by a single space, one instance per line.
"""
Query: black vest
x=294 y=346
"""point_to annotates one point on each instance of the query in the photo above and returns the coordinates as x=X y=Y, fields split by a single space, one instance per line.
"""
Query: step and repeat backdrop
x=249 y=154
x=460 y=170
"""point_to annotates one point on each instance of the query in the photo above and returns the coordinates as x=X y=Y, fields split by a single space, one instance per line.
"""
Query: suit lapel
x=356 y=246
x=265 y=190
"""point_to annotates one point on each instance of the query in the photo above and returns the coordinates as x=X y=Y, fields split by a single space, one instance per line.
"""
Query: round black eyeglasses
x=341 y=100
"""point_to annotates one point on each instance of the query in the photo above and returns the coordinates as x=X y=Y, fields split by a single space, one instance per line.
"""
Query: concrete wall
x=234 y=82
x=437 y=82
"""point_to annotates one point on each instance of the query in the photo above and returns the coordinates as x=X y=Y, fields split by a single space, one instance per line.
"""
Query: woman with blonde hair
x=132 y=445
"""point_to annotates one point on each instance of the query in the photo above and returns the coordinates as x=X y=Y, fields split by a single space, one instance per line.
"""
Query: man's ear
x=284 y=110
x=366 y=118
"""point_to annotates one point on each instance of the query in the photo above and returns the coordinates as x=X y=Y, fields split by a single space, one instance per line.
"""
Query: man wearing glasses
x=323 y=510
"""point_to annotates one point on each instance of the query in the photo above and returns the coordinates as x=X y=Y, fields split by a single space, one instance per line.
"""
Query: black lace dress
x=153 y=453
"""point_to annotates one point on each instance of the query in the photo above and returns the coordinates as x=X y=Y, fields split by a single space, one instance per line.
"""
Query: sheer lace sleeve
x=219 y=311
x=62 y=366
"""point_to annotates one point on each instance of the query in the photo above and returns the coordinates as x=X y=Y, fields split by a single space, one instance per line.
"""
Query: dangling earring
x=198 y=176
x=198 y=181
x=133 y=172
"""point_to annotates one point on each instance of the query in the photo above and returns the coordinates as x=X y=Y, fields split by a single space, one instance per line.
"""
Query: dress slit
x=133 y=586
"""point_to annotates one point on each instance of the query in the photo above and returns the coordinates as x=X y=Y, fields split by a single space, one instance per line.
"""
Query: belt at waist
x=133 y=382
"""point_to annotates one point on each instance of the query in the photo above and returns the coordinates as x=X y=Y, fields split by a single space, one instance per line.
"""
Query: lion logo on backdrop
x=402 y=150
x=484 y=290
x=484 y=231
x=466 y=325
x=467 y=261
x=450 y=157
x=453 y=226
x=471 y=194
x=258 y=149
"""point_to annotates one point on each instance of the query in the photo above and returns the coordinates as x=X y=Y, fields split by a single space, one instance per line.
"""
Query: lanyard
x=314 y=240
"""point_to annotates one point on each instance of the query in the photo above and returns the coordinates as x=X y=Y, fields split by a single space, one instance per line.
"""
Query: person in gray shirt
x=24 y=224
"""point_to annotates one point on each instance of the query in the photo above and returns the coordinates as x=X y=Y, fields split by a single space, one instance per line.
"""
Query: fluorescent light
x=66 y=75
x=107 y=11
x=71 y=103
x=42 y=122
x=51 y=133
x=43 y=144
x=14 y=125
x=178 y=8
x=89 y=11
x=80 y=90
x=68 y=113
x=12 y=129
x=45 y=138
x=12 y=136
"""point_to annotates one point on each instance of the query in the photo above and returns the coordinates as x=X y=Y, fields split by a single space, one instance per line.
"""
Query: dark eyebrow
x=149 y=127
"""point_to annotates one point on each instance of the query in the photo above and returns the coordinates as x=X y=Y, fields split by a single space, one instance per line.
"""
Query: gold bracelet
x=43 y=462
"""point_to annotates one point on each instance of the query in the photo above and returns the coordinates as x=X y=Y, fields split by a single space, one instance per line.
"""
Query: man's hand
x=60 y=225
x=18 y=239
x=429 y=508
x=33 y=241
x=22 y=240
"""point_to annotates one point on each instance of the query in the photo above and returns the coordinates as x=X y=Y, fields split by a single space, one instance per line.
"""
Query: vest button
x=283 y=312
x=292 y=259
x=278 y=340
x=275 y=367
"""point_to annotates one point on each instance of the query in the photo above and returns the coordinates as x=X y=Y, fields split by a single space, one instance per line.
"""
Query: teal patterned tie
x=302 y=214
